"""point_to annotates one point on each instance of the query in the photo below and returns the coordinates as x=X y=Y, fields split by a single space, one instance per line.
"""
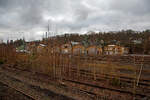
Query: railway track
x=11 y=93
x=22 y=88
x=122 y=78
x=144 y=85
x=65 y=84
x=68 y=82
x=49 y=84
x=141 y=95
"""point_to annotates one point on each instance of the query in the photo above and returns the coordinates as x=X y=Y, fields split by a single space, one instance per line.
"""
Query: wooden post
x=142 y=63
x=60 y=66
x=134 y=82
x=78 y=68
x=94 y=70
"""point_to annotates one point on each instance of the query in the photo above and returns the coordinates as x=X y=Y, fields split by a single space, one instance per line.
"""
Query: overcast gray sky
x=29 y=18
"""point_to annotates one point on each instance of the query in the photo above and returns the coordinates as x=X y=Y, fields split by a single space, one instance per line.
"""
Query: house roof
x=42 y=45
x=111 y=45
x=74 y=43
x=78 y=46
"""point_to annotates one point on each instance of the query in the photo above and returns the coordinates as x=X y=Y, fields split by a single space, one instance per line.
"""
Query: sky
x=30 y=18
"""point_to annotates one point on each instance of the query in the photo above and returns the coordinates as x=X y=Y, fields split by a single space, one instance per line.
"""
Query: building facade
x=93 y=50
x=115 y=50
x=78 y=49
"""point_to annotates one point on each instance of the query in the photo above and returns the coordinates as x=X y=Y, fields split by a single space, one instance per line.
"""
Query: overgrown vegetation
x=115 y=82
x=1 y=62
x=62 y=65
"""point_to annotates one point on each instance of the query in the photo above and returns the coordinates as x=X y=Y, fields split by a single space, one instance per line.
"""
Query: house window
x=65 y=46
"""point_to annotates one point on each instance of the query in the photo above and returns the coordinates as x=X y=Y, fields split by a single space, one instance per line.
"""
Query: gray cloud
x=135 y=7
x=31 y=16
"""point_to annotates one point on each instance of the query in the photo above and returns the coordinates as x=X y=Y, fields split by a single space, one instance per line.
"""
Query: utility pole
x=48 y=28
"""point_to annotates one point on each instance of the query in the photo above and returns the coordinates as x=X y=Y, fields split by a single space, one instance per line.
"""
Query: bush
x=1 y=62
x=115 y=82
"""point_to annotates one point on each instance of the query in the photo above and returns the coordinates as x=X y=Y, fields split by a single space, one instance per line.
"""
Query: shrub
x=1 y=62
x=115 y=82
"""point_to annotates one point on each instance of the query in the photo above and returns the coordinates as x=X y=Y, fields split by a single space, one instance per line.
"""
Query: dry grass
x=57 y=64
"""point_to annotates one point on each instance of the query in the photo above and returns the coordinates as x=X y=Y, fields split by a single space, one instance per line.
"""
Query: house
x=56 y=49
x=94 y=50
x=136 y=41
x=41 y=48
x=66 y=48
x=115 y=50
x=1 y=41
x=78 y=49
